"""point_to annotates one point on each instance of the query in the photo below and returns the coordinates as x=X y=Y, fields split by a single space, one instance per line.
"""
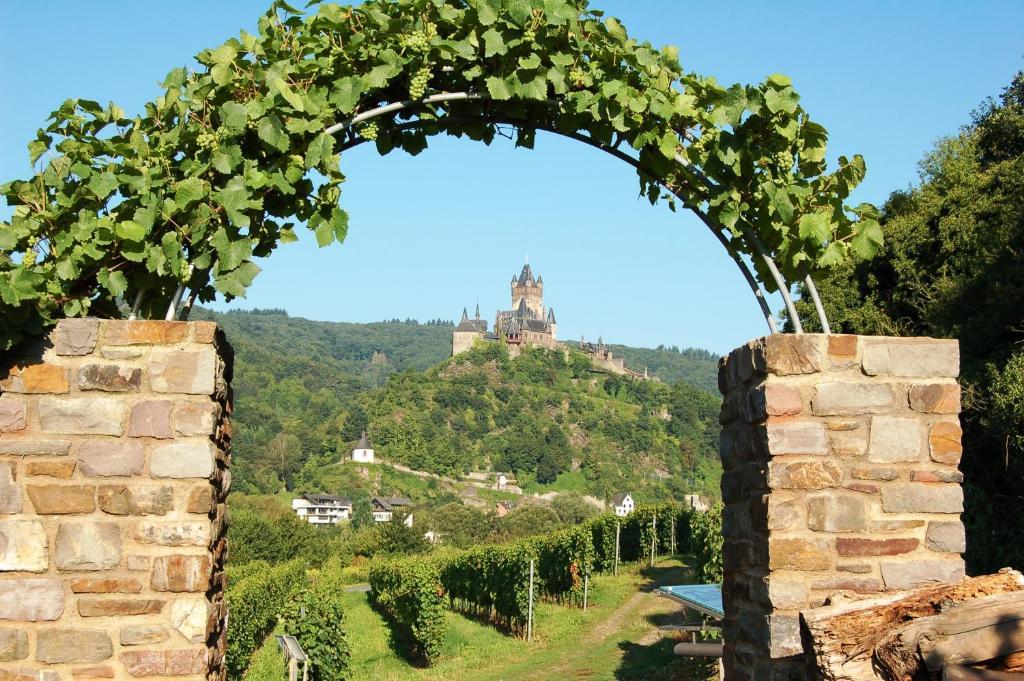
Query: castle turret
x=552 y=324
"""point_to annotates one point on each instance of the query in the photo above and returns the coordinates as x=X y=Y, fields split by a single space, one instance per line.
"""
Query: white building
x=322 y=509
x=363 y=453
x=384 y=508
x=623 y=504
x=695 y=503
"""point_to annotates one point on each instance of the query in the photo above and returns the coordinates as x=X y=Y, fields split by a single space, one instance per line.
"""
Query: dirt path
x=641 y=604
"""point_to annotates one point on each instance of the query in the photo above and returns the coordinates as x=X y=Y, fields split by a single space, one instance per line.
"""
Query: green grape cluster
x=419 y=41
x=530 y=36
x=208 y=139
x=578 y=78
x=369 y=131
x=784 y=158
x=418 y=84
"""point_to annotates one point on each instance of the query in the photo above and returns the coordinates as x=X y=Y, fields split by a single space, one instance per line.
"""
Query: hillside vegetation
x=544 y=415
x=304 y=390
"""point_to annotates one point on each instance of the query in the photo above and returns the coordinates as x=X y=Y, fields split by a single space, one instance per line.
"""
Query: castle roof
x=474 y=325
x=551 y=315
x=526 y=277
x=471 y=325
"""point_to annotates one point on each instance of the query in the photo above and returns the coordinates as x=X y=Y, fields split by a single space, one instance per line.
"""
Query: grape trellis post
x=529 y=615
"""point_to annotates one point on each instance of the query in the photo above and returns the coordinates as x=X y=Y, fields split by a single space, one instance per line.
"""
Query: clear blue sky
x=434 y=233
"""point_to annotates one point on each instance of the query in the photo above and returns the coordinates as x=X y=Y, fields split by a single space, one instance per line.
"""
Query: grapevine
x=210 y=174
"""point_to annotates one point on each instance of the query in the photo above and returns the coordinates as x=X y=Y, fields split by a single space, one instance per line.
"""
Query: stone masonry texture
x=114 y=456
x=839 y=457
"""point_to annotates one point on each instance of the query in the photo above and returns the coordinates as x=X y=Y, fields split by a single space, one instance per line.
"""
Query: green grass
x=602 y=644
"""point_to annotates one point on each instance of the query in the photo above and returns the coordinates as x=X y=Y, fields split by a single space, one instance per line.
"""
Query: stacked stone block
x=840 y=462
x=114 y=455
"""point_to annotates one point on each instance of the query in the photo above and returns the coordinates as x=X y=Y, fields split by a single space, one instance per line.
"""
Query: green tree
x=362 y=513
x=951 y=267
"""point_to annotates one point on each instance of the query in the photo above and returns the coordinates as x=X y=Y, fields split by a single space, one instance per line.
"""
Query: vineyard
x=488 y=583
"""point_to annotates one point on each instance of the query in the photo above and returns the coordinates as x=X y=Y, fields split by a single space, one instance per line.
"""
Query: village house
x=363 y=453
x=385 y=507
x=322 y=509
x=623 y=504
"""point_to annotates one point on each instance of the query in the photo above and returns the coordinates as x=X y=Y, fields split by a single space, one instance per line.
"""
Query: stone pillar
x=840 y=462
x=114 y=454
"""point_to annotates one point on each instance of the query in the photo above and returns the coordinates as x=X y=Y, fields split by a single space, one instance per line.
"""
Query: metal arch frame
x=744 y=270
x=175 y=306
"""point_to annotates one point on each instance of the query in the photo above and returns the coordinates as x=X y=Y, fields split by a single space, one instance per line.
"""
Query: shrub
x=706 y=543
x=315 y=615
x=254 y=604
x=409 y=593
x=492 y=582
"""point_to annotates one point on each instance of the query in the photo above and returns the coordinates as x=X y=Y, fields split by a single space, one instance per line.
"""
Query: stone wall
x=114 y=453
x=840 y=462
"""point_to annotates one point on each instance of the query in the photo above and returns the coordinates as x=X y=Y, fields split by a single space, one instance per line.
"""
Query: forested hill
x=262 y=335
x=299 y=384
x=549 y=418
x=410 y=345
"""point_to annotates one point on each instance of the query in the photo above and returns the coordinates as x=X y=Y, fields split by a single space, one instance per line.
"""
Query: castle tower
x=468 y=332
x=527 y=288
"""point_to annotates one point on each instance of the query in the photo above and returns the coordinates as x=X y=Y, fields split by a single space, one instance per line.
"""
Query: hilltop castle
x=526 y=323
x=529 y=324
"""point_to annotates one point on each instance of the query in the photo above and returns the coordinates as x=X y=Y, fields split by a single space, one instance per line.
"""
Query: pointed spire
x=540 y=280
x=551 y=315
x=478 y=309
x=526 y=276
x=465 y=315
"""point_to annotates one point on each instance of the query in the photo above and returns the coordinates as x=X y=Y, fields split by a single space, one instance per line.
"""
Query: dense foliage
x=544 y=414
x=706 y=544
x=315 y=615
x=636 y=533
x=299 y=385
x=952 y=268
x=490 y=582
x=262 y=530
x=255 y=602
x=218 y=169
x=409 y=593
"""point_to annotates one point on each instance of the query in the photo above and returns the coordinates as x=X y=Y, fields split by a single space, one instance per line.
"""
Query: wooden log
x=841 y=639
x=969 y=632
x=954 y=672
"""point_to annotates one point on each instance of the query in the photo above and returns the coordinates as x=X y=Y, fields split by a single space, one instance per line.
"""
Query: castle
x=525 y=324
x=529 y=324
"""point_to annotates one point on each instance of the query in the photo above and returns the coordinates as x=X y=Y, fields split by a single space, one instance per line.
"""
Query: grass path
x=615 y=640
